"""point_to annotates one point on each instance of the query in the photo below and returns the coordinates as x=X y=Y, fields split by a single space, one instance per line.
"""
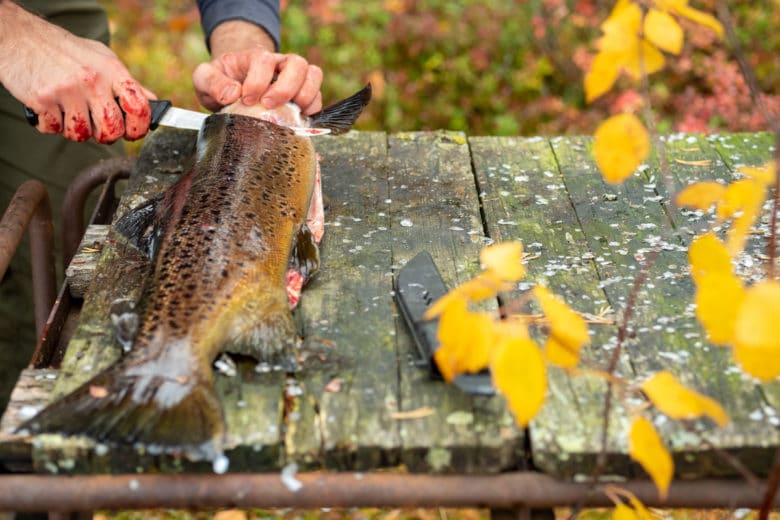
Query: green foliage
x=489 y=67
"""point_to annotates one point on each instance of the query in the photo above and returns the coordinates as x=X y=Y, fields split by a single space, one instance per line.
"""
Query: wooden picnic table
x=360 y=403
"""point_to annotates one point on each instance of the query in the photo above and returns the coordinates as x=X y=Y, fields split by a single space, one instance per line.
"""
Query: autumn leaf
x=568 y=330
x=742 y=200
x=701 y=195
x=465 y=340
x=719 y=292
x=623 y=512
x=645 y=447
x=483 y=286
x=620 y=145
x=757 y=341
x=763 y=174
x=603 y=72
x=679 y=402
x=681 y=8
x=663 y=31
x=520 y=375
x=504 y=260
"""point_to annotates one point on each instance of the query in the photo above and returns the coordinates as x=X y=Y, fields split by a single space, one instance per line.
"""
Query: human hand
x=72 y=83
x=244 y=68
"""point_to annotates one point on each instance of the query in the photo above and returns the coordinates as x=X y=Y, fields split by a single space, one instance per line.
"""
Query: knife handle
x=158 y=107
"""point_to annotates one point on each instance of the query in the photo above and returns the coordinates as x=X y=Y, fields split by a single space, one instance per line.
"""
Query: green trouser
x=55 y=161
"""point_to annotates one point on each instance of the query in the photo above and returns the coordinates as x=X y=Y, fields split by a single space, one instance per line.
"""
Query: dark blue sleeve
x=264 y=13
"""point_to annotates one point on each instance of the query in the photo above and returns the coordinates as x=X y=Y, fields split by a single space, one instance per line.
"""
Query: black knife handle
x=158 y=107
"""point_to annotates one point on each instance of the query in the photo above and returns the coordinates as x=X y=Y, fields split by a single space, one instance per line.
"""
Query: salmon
x=221 y=241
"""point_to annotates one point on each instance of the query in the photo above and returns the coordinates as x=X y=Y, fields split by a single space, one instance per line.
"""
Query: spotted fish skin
x=221 y=240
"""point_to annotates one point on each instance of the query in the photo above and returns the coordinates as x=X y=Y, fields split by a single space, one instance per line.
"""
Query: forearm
x=237 y=35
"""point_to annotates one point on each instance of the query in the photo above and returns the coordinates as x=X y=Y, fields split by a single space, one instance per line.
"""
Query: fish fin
x=137 y=404
x=264 y=329
x=340 y=116
x=142 y=225
x=305 y=257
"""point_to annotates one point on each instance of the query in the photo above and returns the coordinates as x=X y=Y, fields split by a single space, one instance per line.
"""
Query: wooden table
x=360 y=403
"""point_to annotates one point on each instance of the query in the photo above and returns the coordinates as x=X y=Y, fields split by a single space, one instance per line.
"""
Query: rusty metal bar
x=246 y=490
x=30 y=209
x=105 y=171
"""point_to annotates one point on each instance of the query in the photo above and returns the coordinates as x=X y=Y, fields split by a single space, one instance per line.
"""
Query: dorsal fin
x=340 y=117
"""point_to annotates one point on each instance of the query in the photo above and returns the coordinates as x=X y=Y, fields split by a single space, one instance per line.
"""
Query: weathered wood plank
x=434 y=205
x=524 y=198
x=666 y=333
x=342 y=420
x=82 y=267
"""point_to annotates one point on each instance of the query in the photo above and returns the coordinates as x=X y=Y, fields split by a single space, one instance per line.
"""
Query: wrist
x=237 y=35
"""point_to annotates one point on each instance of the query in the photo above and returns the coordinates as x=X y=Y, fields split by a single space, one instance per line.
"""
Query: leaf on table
x=646 y=447
x=679 y=402
x=757 y=340
x=620 y=145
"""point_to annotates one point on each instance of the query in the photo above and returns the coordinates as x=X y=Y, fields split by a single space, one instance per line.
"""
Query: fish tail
x=138 y=404
x=340 y=116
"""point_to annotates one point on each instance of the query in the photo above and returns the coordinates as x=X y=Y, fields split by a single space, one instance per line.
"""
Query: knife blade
x=165 y=114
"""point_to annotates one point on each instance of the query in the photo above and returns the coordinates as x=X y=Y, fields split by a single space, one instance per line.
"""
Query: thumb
x=213 y=88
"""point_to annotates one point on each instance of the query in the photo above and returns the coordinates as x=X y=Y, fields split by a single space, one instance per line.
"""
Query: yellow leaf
x=504 y=259
x=620 y=145
x=663 y=31
x=623 y=512
x=646 y=447
x=481 y=287
x=465 y=340
x=602 y=75
x=520 y=374
x=742 y=200
x=701 y=195
x=757 y=341
x=718 y=299
x=764 y=174
x=568 y=330
x=679 y=402
x=647 y=59
x=641 y=511
x=624 y=20
x=700 y=18
x=707 y=255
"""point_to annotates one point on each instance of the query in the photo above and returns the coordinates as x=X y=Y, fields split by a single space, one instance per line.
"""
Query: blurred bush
x=489 y=67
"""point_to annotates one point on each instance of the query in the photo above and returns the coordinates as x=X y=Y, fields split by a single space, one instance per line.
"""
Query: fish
x=220 y=241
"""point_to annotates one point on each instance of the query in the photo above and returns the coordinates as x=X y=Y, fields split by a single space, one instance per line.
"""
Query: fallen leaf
x=334 y=385
x=645 y=447
x=702 y=162
x=679 y=402
x=98 y=392
x=419 y=413
x=620 y=145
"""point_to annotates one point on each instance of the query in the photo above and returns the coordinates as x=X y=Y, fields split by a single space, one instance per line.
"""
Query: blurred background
x=489 y=67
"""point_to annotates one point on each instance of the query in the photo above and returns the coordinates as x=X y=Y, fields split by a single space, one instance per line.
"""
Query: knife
x=417 y=285
x=165 y=114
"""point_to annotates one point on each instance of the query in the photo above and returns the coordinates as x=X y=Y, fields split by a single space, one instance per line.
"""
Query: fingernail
x=230 y=93
x=268 y=102
x=249 y=100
